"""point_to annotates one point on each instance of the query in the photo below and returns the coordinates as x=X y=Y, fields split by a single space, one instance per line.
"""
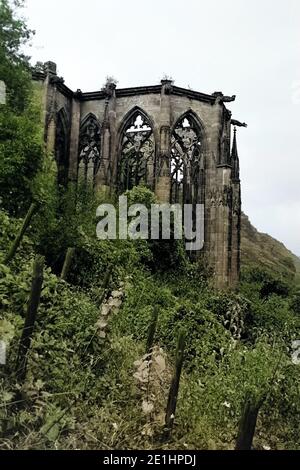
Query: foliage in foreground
x=80 y=390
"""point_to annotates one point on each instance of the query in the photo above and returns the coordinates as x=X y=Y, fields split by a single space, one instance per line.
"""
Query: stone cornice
x=65 y=90
x=126 y=92
x=196 y=95
x=147 y=90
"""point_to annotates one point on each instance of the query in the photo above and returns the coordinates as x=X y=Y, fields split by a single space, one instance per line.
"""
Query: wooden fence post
x=248 y=424
x=67 y=263
x=33 y=304
x=16 y=243
x=173 y=393
x=152 y=329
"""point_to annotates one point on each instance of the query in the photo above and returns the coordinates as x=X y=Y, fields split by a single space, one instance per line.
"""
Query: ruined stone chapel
x=176 y=141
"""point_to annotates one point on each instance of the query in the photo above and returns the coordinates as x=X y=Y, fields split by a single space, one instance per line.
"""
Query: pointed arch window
x=187 y=168
x=136 y=163
x=89 y=149
x=61 y=147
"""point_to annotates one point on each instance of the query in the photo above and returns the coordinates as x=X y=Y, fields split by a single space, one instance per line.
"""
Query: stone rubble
x=108 y=308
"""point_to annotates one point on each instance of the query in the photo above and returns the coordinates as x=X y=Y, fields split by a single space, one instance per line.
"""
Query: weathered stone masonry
x=176 y=141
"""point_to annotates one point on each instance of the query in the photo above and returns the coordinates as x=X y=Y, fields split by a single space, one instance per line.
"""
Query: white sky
x=248 y=48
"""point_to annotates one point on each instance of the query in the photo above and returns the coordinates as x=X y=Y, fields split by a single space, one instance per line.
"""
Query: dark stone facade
x=175 y=140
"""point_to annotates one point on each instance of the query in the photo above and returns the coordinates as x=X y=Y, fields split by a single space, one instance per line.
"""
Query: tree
x=14 y=65
x=21 y=137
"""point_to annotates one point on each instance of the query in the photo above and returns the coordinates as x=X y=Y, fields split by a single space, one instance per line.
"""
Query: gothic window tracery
x=89 y=149
x=136 y=163
x=186 y=162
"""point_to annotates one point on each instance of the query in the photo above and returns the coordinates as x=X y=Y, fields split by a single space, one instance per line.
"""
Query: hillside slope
x=261 y=248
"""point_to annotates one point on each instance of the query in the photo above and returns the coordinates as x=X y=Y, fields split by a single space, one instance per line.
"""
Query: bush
x=21 y=153
x=267 y=282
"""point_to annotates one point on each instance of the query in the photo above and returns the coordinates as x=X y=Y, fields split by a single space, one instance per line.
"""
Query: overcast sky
x=247 y=48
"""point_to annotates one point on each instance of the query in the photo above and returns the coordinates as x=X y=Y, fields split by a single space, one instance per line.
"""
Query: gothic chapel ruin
x=174 y=140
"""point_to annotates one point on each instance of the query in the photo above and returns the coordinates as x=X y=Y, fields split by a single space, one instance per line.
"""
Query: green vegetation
x=21 y=144
x=82 y=389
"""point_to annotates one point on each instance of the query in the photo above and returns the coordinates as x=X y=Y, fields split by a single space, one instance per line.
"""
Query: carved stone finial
x=167 y=87
x=50 y=67
x=78 y=93
x=167 y=84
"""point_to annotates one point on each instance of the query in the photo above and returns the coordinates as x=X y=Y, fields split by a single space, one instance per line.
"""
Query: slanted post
x=67 y=263
x=248 y=424
x=33 y=304
x=173 y=393
x=34 y=207
x=152 y=329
